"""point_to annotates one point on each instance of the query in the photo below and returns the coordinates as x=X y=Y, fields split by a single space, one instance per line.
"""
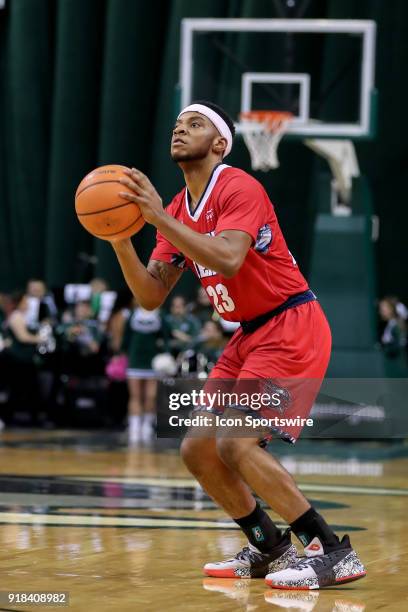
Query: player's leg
x=135 y=407
x=198 y=449
x=268 y=547
x=222 y=484
x=270 y=480
x=328 y=561
x=149 y=416
x=305 y=354
x=264 y=475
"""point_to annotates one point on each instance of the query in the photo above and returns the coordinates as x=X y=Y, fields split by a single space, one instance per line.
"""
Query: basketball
x=101 y=210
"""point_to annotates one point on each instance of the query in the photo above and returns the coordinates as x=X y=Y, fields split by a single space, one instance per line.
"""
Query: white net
x=263 y=143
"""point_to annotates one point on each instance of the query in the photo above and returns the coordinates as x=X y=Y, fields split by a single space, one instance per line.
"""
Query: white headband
x=215 y=118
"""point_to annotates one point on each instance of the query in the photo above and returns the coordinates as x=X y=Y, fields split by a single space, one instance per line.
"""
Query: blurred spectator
x=140 y=343
x=81 y=339
x=180 y=328
x=23 y=343
x=202 y=308
x=210 y=343
x=117 y=321
x=21 y=352
x=83 y=331
x=7 y=304
x=96 y=292
x=98 y=286
x=41 y=304
x=393 y=339
x=401 y=309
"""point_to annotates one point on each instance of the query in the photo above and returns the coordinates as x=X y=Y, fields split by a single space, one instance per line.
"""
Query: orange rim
x=263 y=115
x=270 y=118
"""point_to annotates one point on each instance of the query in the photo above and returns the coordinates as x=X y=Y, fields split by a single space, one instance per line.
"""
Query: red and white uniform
x=234 y=200
x=293 y=344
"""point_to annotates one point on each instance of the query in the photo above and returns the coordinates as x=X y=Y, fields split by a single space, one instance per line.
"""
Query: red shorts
x=291 y=350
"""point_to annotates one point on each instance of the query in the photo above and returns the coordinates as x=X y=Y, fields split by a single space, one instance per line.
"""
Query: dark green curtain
x=26 y=77
x=93 y=82
x=133 y=48
x=74 y=126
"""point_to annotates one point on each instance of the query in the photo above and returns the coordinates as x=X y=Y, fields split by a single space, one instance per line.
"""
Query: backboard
x=277 y=64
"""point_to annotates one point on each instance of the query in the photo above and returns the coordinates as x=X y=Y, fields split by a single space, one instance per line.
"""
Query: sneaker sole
x=226 y=573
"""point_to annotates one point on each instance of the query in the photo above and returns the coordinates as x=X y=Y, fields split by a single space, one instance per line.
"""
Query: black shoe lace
x=310 y=562
x=253 y=556
x=246 y=554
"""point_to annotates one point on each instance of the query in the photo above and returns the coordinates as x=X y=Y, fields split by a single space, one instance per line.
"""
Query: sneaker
x=320 y=570
x=251 y=563
x=134 y=432
x=147 y=433
x=134 y=435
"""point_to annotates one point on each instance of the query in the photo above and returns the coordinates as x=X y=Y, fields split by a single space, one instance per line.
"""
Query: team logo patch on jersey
x=203 y=272
x=263 y=239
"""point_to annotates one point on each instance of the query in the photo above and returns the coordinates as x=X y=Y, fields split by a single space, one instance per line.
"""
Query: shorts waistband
x=248 y=327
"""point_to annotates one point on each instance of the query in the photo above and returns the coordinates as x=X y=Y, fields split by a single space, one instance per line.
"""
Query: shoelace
x=246 y=554
x=310 y=562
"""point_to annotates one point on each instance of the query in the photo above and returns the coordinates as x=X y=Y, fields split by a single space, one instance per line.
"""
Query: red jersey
x=234 y=200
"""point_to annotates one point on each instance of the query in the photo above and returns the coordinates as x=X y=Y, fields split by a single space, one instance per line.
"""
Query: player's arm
x=150 y=285
x=224 y=253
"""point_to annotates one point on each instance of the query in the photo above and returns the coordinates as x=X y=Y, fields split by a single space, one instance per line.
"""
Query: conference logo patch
x=259 y=536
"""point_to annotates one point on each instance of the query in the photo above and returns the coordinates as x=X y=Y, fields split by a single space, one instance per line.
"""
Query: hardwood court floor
x=130 y=530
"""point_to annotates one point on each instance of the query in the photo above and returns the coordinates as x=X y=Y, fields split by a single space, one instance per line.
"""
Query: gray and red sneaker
x=319 y=568
x=251 y=563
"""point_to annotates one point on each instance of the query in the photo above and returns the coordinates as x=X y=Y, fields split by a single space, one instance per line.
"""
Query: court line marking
x=185 y=482
x=136 y=520
x=151 y=481
x=81 y=520
x=105 y=521
x=385 y=558
x=171 y=483
x=352 y=489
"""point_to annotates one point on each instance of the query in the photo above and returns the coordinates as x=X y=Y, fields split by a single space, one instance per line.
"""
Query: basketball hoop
x=262 y=133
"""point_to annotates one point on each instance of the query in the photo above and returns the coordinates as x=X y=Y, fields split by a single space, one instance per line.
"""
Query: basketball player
x=223 y=226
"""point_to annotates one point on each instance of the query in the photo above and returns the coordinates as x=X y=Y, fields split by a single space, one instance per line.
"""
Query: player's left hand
x=141 y=191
